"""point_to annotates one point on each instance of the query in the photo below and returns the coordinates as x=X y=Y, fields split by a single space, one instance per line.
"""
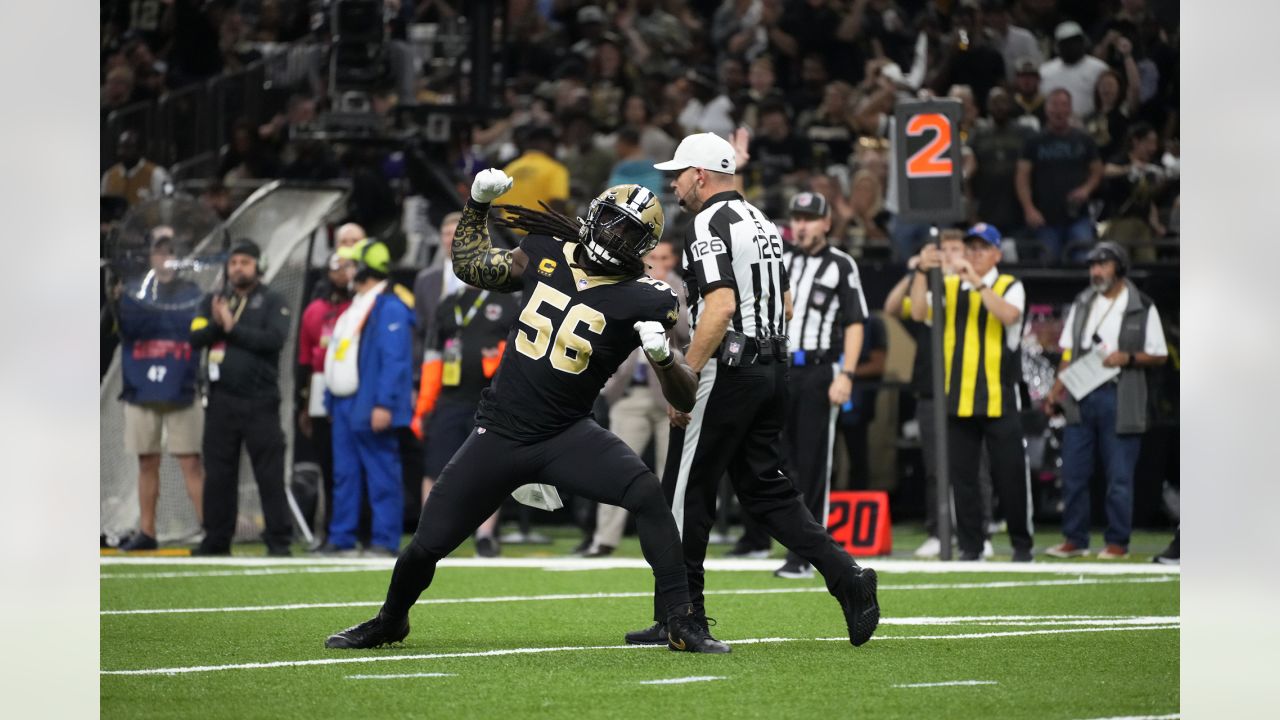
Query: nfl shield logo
x=479 y=431
x=492 y=312
x=582 y=284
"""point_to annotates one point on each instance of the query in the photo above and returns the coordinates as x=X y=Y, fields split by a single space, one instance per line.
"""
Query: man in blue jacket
x=369 y=376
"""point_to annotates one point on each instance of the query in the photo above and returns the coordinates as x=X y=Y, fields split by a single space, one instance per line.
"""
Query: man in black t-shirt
x=996 y=150
x=587 y=305
x=1058 y=171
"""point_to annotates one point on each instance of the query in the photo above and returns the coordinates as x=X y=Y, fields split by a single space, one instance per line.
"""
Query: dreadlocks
x=534 y=222
x=555 y=224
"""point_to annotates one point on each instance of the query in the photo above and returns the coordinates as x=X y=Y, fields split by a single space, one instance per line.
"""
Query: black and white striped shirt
x=827 y=296
x=730 y=243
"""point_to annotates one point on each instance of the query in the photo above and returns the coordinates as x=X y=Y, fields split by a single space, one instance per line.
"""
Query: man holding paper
x=1112 y=334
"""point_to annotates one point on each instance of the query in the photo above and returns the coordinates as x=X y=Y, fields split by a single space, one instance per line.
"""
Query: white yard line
x=683 y=680
x=400 y=676
x=1174 y=716
x=949 y=683
x=882 y=565
x=349 y=659
x=604 y=596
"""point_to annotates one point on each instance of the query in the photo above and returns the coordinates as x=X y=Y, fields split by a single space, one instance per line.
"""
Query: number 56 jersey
x=572 y=333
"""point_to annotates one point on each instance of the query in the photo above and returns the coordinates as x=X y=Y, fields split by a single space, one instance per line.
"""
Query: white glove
x=653 y=338
x=489 y=184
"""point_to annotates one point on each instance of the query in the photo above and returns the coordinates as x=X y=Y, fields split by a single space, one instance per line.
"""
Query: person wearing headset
x=1117 y=321
x=368 y=373
x=244 y=328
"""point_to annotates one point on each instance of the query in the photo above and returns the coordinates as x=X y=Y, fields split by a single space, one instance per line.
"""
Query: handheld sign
x=926 y=160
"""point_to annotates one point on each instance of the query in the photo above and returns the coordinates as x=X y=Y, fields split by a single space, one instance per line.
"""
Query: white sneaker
x=931 y=548
x=987 y=550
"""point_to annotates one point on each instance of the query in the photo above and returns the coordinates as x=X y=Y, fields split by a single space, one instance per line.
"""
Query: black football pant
x=1002 y=438
x=230 y=421
x=736 y=425
x=584 y=460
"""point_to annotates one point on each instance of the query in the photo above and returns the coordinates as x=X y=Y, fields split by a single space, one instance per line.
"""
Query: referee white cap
x=703 y=150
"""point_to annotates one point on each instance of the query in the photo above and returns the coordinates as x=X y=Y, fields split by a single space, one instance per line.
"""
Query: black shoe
x=369 y=634
x=857 y=595
x=970 y=556
x=743 y=549
x=487 y=547
x=655 y=634
x=794 y=570
x=204 y=550
x=686 y=633
x=600 y=551
x=139 y=541
x=279 y=551
x=1023 y=556
x=582 y=547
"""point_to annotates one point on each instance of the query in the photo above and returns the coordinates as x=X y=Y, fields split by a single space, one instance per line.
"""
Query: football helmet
x=623 y=224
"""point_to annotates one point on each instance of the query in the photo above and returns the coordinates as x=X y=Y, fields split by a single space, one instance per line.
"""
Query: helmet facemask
x=616 y=237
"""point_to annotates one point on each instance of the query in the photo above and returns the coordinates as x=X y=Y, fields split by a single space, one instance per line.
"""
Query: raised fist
x=489 y=184
x=653 y=338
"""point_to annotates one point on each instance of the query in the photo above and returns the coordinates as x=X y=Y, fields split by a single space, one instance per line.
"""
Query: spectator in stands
x=1073 y=70
x=368 y=378
x=1132 y=185
x=217 y=198
x=247 y=156
x=1058 y=171
x=761 y=87
x=591 y=27
x=134 y=178
x=812 y=86
x=733 y=76
x=315 y=332
x=663 y=33
x=609 y=80
x=539 y=176
x=637 y=408
x=244 y=328
x=814 y=26
x=968 y=58
x=707 y=109
x=736 y=30
x=1114 y=318
x=778 y=157
x=1014 y=43
x=1113 y=111
x=1028 y=101
x=829 y=128
x=118 y=89
x=591 y=163
x=655 y=144
x=632 y=166
x=158 y=370
x=996 y=149
x=868 y=218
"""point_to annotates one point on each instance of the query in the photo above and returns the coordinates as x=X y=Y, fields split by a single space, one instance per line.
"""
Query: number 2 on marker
x=928 y=161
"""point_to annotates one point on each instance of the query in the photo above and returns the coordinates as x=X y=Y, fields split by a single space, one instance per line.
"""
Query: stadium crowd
x=1069 y=118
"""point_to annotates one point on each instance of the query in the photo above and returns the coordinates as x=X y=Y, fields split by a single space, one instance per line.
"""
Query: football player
x=587 y=304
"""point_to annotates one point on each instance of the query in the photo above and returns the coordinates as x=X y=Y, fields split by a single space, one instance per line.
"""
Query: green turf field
x=1069 y=640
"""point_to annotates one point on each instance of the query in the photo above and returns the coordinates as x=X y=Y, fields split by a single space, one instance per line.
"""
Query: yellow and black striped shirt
x=981 y=372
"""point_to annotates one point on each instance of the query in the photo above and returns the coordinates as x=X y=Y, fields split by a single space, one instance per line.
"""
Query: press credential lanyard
x=452 y=355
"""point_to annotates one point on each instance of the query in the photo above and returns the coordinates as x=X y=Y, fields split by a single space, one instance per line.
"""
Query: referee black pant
x=736 y=425
x=808 y=437
x=229 y=422
x=1002 y=438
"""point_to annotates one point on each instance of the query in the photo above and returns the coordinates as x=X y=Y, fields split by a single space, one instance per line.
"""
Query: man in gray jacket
x=1116 y=320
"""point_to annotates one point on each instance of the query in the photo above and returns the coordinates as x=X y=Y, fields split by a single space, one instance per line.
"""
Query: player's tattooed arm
x=476 y=262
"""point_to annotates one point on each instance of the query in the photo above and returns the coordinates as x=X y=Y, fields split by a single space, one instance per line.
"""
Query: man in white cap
x=1073 y=70
x=739 y=305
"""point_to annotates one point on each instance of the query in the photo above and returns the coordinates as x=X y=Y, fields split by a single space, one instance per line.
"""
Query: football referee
x=826 y=340
x=737 y=288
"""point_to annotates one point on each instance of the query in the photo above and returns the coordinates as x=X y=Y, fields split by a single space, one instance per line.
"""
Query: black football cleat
x=655 y=634
x=369 y=634
x=686 y=634
x=857 y=595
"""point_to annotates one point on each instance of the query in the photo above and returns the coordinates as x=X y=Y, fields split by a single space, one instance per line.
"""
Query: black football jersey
x=572 y=332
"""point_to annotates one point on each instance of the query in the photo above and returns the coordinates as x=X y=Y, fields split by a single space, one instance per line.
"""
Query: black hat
x=808 y=203
x=1107 y=250
x=245 y=246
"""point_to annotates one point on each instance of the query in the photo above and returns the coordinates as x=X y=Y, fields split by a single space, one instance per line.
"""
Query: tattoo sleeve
x=475 y=261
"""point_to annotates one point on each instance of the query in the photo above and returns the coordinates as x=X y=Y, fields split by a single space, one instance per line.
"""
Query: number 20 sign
x=927 y=160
